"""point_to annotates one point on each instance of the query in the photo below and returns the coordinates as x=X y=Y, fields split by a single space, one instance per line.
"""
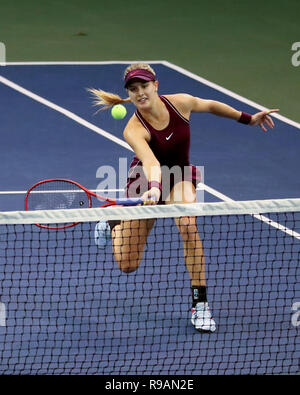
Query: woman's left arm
x=196 y=104
x=261 y=118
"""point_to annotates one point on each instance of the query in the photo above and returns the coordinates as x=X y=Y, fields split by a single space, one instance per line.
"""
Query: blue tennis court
x=240 y=162
x=50 y=130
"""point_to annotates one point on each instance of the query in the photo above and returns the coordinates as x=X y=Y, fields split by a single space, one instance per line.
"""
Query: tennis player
x=159 y=134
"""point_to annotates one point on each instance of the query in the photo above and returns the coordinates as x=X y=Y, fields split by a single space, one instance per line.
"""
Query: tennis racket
x=57 y=194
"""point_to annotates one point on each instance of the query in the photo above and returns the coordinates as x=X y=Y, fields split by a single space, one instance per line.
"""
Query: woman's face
x=142 y=93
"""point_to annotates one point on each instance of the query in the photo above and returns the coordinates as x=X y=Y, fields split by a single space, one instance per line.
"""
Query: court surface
x=49 y=129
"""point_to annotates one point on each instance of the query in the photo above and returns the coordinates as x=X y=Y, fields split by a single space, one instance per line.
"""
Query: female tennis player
x=159 y=134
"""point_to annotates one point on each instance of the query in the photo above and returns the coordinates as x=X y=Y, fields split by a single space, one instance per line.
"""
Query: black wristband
x=245 y=118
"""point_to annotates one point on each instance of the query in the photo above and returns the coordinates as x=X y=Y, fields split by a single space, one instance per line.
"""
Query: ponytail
x=106 y=100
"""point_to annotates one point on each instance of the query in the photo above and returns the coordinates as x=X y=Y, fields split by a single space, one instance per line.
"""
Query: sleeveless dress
x=171 y=147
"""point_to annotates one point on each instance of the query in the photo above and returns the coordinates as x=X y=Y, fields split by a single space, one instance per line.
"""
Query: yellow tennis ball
x=118 y=111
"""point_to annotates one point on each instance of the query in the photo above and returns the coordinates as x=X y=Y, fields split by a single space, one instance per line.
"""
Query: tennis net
x=67 y=308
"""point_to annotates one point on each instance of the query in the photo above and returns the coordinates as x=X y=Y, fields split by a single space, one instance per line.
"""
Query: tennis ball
x=118 y=111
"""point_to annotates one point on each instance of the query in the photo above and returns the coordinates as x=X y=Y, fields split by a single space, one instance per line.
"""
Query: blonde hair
x=106 y=100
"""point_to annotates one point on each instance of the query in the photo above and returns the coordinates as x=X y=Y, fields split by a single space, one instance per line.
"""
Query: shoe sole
x=204 y=330
x=208 y=330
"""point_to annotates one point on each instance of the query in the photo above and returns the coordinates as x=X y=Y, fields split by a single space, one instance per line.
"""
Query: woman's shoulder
x=182 y=102
x=181 y=98
x=134 y=122
x=134 y=129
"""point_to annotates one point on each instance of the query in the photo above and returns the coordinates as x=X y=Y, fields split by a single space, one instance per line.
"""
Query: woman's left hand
x=263 y=119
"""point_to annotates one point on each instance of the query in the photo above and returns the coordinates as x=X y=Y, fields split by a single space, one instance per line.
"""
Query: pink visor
x=140 y=74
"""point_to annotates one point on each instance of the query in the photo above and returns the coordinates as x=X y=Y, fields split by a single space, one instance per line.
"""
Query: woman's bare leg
x=129 y=240
x=184 y=192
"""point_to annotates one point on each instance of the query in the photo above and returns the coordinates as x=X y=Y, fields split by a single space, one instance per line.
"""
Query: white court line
x=170 y=65
x=229 y=93
x=65 y=112
x=82 y=63
x=58 y=191
x=100 y=131
x=260 y=217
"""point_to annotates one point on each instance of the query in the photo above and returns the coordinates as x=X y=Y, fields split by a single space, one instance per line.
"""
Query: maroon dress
x=171 y=148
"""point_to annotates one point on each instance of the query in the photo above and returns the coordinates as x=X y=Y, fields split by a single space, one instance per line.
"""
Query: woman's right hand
x=151 y=196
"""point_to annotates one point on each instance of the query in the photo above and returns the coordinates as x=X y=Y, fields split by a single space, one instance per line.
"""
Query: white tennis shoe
x=202 y=319
x=102 y=234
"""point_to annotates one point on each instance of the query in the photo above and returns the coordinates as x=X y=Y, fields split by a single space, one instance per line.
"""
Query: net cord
x=252 y=207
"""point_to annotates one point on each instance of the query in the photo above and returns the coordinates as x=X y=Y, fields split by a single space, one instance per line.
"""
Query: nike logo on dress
x=168 y=138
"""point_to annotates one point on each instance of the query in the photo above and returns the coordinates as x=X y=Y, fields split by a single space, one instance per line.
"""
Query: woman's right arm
x=138 y=137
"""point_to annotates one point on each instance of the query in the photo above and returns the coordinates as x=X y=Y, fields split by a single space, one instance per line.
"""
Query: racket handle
x=130 y=201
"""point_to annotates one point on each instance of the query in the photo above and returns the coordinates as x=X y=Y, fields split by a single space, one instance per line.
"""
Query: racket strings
x=56 y=195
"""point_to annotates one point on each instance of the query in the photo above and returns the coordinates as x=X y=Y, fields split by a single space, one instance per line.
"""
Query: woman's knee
x=127 y=266
x=128 y=258
x=129 y=242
